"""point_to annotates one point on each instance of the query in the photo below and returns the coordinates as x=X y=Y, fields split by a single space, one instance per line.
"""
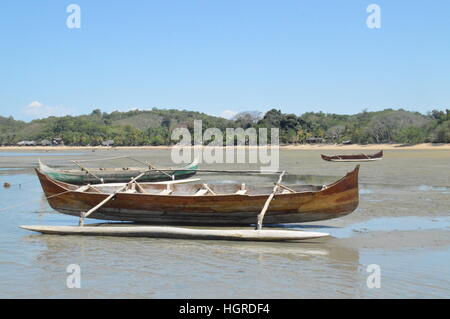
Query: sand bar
x=423 y=146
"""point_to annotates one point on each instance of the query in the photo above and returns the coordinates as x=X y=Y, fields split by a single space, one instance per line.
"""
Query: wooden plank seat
x=286 y=190
x=241 y=191
x=166 y=191
x=201 y=192
x=83 y=188
x=204 y=190
x=87 y=188
x=131 y=188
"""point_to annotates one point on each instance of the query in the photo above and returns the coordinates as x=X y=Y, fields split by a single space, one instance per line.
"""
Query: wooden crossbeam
x=260 y=217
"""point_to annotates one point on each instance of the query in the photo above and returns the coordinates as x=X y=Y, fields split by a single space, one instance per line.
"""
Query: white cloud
x=35 y=104
x=38 y=109
x=228 y=114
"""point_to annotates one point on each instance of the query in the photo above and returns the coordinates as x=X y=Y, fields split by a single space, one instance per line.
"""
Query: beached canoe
x=211 y=204
x=115 y=175
x=353 y=158
x=178 y=232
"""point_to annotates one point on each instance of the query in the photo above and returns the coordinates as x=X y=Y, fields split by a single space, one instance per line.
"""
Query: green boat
x=85 y=176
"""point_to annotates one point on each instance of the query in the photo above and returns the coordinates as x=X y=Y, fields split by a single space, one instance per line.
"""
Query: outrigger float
x=178 y=232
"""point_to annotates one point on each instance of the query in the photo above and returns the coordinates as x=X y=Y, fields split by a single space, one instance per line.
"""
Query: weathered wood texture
x=227 y=206
x=261 y=215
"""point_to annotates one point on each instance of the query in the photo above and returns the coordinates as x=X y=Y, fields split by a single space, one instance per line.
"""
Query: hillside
x=125 y=128
x=154 y=127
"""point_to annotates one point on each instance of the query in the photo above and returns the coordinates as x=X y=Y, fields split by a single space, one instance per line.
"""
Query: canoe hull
x=336 y=200
x=178 y=233
x=123 y=176
x=353 y=158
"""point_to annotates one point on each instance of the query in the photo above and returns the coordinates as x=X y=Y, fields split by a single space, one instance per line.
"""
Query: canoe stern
x=336 y=199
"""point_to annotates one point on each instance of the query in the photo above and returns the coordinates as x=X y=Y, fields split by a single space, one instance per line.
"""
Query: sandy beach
x=369 y=147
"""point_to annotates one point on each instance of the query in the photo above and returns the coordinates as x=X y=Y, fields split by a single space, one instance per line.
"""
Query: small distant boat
x=210 y=204
x=353 y=158
x=85 y=176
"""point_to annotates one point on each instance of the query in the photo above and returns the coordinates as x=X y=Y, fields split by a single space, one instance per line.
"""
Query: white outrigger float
x=178 y=232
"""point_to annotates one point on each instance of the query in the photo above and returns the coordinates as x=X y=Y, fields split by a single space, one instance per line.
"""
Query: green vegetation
x=154 y=127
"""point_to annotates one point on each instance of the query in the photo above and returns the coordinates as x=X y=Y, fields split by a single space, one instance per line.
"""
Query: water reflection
x=202 y=268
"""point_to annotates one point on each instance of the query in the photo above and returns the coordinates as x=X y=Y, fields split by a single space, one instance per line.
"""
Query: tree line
x=154 y=127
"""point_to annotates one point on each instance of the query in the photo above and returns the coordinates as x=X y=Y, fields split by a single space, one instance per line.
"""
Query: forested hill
x=154 y=127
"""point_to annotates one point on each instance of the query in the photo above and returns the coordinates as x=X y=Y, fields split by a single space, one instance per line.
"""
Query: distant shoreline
x=423 y=146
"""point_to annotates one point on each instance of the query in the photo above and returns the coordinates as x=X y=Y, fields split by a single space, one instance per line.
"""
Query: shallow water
x=402 y=225
x=382 y=224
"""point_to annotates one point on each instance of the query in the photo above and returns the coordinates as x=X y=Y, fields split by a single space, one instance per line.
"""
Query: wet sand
x=402 y=224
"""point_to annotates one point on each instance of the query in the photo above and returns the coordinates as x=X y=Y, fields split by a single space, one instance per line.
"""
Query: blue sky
x=219 y=56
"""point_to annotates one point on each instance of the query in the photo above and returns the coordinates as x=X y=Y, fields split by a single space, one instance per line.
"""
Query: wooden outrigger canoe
x=202 y=204
x=178 y=232
x=116 y=175
x=353 y=158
